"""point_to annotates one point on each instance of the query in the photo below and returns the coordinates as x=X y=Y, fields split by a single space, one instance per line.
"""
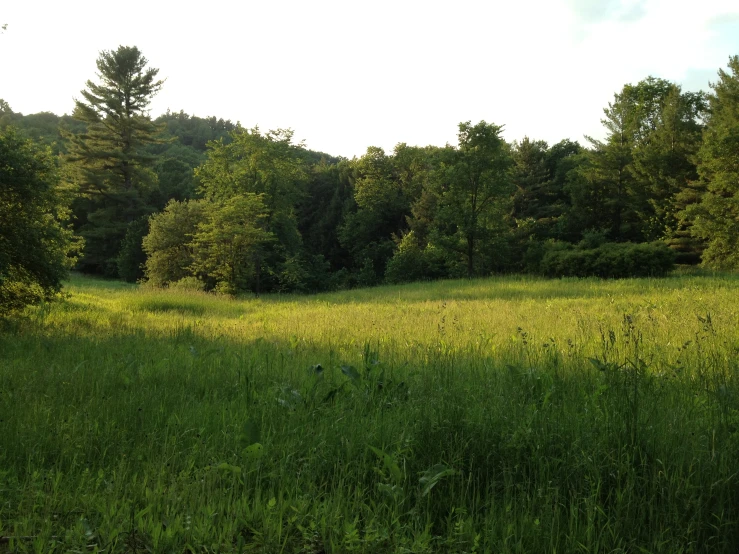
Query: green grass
x=501 y=415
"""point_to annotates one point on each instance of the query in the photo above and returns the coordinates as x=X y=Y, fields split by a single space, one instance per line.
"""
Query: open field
x=501 y=415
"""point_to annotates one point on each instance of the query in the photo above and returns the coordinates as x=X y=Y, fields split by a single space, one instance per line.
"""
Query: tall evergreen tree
x=716 y=218
x=666 y=168
x=531 y=179
x=110 y=161
x=628 y=184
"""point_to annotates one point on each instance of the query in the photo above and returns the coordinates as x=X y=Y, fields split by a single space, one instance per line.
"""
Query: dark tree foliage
x=628 y=185
x=35 y=244
x=608 y=260
x=131 y=258
x=194 y=132
x=715 y=219
x=476 y=194
x=44 y=127
x=540 y=199
x=378 y=209
x=321 y=211
x=110 y=158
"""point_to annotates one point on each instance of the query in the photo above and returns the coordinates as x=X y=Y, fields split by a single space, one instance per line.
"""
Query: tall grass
x=498 y=415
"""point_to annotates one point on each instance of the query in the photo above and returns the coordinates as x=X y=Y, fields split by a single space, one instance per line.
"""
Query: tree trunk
x=257 y=272
x=470 y=254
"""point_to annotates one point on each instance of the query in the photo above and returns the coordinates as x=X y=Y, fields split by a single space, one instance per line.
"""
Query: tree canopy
x=36 y=245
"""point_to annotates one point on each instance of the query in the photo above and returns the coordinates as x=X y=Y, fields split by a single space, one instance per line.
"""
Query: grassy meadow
x=503 y=415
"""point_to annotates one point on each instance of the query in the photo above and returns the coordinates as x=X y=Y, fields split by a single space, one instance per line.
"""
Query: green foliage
x=627 y=185
x=168 y=245
x=36 y=246
x=475 y=195
x=187 y=284
x=321 y=211
x=131 y=257
x=481 y=207
x=716 y=217
x=228 y=245
x=43 y=127
x=392 y=195
x=175 y=176
x=411 y=262
x=367 y=274
x=378 y=210
x=255 y=163
x=270 y=166
x=540 y=202
x=608 y=260
x=194 y=132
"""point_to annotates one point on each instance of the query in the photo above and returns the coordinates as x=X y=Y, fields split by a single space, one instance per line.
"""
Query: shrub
x=413 y=263
x=608 y=260
x=367 y=276
x=188 y=283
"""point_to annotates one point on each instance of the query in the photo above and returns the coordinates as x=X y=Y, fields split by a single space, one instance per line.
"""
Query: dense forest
x=192 y=202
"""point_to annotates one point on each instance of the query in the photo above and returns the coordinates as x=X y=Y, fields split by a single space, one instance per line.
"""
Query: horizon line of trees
x=205 y=203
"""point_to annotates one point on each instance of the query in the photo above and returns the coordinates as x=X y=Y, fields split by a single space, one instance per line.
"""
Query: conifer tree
x=111 y=166
x=716 y=218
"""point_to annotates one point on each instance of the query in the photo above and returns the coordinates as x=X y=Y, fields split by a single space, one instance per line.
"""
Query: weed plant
x=503 y=415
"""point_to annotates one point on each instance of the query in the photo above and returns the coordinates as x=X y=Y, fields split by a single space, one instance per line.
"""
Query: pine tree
x=629 y=184
x=716 y=218
x=109 y=159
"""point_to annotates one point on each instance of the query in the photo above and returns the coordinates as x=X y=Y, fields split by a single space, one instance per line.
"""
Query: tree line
x=204 y=203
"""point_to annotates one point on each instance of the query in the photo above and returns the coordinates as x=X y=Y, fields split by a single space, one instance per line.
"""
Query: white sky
x=349 y=74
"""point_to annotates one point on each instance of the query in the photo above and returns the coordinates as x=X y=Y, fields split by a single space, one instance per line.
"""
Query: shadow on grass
x=93 y=426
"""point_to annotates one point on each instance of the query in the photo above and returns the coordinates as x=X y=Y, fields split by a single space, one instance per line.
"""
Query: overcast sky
x=348 y=74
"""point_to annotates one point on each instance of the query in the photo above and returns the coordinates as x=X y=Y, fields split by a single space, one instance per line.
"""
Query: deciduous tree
x=36 y=246
x=475 y=185
x=271 y=166
x=227 y=245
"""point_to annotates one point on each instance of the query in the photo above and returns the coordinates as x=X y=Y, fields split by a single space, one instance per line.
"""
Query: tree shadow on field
x=80 y=280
